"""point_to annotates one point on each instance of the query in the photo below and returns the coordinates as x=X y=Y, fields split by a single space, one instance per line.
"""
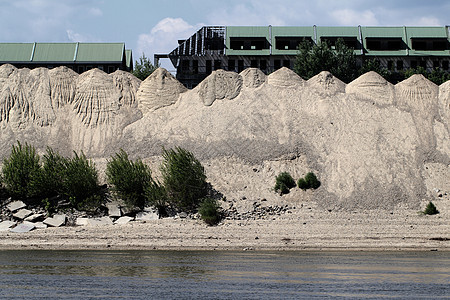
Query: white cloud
x=77 y=37
x=96 y=12
x=349 y=17
x=163 y=38
x=428 y=21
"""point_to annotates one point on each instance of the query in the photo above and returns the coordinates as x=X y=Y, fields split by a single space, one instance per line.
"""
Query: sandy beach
x=303 y=228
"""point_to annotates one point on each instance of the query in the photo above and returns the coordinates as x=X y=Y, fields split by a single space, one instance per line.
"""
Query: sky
x=155 y=26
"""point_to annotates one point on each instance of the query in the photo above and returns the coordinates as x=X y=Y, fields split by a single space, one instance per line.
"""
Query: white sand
x=375 y=147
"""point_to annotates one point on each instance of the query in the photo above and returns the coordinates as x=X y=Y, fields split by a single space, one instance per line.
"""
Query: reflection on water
x=223 y=274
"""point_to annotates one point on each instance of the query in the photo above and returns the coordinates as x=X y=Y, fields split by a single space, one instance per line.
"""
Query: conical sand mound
x=25 y=98
x=41 y=97
x=253 y=77
x=158 y=90
x=220 y=85
x=418 y=94
x=96 y=99
x=5 y=71
x=285 y=77
x=326 y=84
x=63 y=86
x=372 y=87
x=127 y=85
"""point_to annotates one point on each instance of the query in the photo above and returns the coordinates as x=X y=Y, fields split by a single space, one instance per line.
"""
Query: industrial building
x=80 y=57
x=269 y=48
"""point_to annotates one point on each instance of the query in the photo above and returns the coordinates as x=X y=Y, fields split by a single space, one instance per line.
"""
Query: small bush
x=301 y=183
x=80 y=180
x=19 y=169
x=156 y=195
x=128 y=179
x=309 y=182
x=284 y=182
x=209 y=211
x=312 y=181
x=183 y=177
x=49 y=181
x=430 y=209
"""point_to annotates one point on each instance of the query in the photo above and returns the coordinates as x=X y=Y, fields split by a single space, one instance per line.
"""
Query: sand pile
x=220 y=85
x=253 y=77
x=158 y=90
x=285 y=77
x=127 y=85
x=372 y=144
x=372 y=87
x=63 y=84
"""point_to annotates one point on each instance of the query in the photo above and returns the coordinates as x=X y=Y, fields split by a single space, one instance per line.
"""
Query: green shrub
x=312 y=181
x=183 y=177
x=301 y=183
x=19 y=169
x=283 y=183
x=80 y=180
x=430 y=209
x=209 y=211
x=156 y=195
x=49 y=181
x=128 y=179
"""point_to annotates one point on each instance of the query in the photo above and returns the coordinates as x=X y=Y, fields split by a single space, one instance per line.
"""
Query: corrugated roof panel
x=97 y=52
x=292 y=31
x=54 y=52
x=385 y=32
x=15 y=52
x=248 y=31
x=426 y=32
x=337 y=31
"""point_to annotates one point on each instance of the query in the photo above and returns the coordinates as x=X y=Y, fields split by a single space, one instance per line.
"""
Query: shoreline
x=302 y=230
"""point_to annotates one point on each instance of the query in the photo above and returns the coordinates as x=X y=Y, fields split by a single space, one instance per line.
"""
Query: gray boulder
x=6 y=225
x=16 y=205
x=114 y=210
x=123 y=220
x=22 y=214
x=34 y=217
x=23 y=227
x=103 y=221
x=145 y=216
x=55 y=221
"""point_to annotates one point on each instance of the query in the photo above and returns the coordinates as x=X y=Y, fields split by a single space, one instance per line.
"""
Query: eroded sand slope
x=372 y=144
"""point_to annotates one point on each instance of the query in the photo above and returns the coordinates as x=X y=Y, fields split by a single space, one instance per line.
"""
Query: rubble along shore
x=304 y=228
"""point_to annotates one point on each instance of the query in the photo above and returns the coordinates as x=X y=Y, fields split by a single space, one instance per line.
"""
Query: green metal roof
x=62 y=52
x=100 y=52
x=426 y=32
x=54 y=52
x=248 y=31
x=292 y=31
x=14 y=52
x=129 y=58
x=383 y=32
x=337 y=31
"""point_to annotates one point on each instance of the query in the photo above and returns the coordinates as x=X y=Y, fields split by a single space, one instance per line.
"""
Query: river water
x=223 y=275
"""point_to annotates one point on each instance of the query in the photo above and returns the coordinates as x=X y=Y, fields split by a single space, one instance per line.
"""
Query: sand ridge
x=369 y=142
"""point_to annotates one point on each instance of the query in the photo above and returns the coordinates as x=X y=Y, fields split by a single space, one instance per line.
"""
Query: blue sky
x=155 y=26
